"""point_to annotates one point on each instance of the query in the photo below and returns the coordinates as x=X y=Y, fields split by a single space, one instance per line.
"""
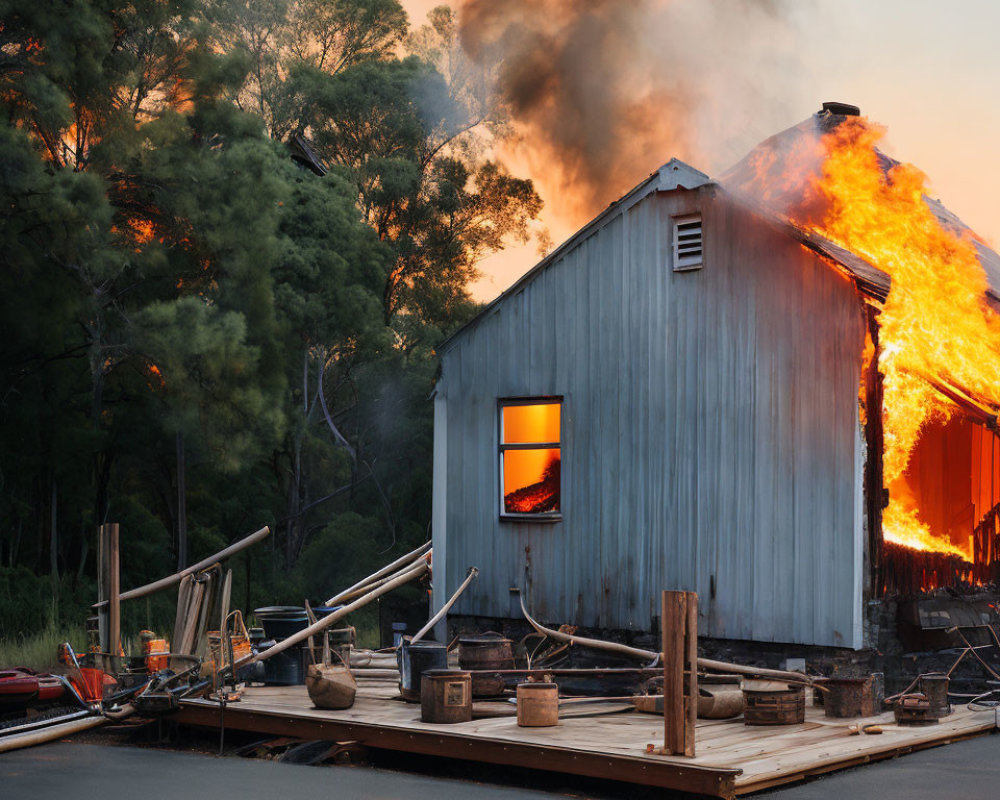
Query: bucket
x=280 y=622
x=445 y=696
x=490 y=651
x=415 y=658
x=152 y=649
x=284 y=669
x=786 y=707
x=537 y=705
x=849 y=697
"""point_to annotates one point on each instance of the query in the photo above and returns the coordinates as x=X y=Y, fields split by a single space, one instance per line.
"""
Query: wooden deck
x=732 y=758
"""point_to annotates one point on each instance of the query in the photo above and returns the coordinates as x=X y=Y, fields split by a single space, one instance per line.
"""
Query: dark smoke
x=600 y=93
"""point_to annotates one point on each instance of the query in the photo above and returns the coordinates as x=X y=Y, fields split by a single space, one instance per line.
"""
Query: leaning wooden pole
x=415 y=572
x=388 y=569
x=170 y=580
x=473 y=573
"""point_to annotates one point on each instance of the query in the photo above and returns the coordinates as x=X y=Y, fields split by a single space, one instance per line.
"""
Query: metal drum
x=490 y=651
x=445 y=696
x=848 y=697
x=280 y=622
x=935 y=687
x=786 y=707
x=537 y=705
x=415 y=658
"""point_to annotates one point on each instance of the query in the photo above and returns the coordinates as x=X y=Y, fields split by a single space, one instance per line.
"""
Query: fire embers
x=536 y=498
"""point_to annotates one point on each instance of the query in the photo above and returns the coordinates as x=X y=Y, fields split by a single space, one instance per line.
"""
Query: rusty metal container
x=935 y=687
x=785 y=707
x=413 y=660
x=488 y=651
x=849 y=697
x=446 y=696
x=537 y=705
x=914 y=709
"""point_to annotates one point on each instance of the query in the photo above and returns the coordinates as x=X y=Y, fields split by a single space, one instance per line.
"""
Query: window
x=687 y=243
x=530 y=458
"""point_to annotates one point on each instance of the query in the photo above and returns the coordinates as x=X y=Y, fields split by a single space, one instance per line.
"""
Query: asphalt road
x=967 y=770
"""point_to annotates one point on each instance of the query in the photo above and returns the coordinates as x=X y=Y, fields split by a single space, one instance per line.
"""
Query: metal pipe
x=334 y=616
x=388 y=568
x=473 y=572
x=611 y=647
x=635 y=652
x=17 y=741
x=163 y=583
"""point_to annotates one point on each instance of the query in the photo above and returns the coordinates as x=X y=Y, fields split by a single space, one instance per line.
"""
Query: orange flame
x=935 y=321
x=939 y=340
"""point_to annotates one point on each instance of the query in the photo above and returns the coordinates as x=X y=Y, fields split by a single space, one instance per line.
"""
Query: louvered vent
x=687 y=243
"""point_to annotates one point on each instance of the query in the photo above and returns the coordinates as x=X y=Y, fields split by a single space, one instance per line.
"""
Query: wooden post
x=691 y=672
x=114 y=604
x=679 y=639
x=103 y=587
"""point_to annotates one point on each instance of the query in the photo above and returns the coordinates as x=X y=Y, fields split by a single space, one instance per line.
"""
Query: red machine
x=20 y=687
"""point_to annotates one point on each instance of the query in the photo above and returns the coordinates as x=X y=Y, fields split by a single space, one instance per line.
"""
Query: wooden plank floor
x=732 y=758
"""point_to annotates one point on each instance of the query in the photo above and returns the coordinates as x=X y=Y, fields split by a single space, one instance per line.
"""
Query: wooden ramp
x=732 y=758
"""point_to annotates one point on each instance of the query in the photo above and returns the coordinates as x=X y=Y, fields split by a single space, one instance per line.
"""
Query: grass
x=41 y=651
x=365 y=622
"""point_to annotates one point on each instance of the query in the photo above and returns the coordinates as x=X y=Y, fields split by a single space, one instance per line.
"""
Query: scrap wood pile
x=550 y=674
x=105 y=684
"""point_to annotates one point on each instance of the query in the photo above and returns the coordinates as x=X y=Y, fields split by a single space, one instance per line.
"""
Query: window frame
x=685 y=219
x=534 y=400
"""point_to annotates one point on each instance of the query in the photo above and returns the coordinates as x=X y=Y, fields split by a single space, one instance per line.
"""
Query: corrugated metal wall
x=710 y=433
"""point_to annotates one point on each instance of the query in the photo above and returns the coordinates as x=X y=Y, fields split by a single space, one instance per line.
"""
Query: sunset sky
x=928 y=71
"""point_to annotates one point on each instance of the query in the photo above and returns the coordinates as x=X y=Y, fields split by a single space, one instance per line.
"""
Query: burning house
x=777 y=389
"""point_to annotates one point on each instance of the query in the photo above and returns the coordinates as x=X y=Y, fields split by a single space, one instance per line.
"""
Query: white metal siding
x=709 y=430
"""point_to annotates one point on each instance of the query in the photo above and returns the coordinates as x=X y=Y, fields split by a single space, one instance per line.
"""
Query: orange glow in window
x=528 y=424
x=531 y=474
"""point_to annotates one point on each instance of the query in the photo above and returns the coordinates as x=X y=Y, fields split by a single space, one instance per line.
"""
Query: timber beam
x=646 y=771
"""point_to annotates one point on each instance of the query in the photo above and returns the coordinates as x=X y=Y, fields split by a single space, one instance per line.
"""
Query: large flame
x=939 y=340
x=935 y=322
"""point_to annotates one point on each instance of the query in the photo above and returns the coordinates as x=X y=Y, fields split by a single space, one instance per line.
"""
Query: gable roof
x=767 y=159
x=675 y=174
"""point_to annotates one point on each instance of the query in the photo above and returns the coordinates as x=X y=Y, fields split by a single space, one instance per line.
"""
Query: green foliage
x=180 y=300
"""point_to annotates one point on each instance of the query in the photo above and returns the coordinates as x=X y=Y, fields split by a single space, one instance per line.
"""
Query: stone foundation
x=892 y=651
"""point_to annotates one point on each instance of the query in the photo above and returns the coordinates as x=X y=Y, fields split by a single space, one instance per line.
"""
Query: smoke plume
x=600 y=93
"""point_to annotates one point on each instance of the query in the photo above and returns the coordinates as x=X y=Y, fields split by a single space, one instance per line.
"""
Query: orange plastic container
x=90 y=684
x=151 y=649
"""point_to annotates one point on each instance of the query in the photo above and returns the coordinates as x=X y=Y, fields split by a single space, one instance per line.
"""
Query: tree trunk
x=182 y=543
x=294 y=503
x=54 y=551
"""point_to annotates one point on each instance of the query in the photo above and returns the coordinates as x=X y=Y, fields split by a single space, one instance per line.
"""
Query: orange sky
x=928 y=71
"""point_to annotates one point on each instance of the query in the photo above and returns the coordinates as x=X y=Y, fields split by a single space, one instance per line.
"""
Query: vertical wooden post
x=103 y=587
x=679 y=639
x=691 y=671
x=114 y=604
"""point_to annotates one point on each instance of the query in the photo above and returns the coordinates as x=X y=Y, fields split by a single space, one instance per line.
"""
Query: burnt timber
x=732 y=759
